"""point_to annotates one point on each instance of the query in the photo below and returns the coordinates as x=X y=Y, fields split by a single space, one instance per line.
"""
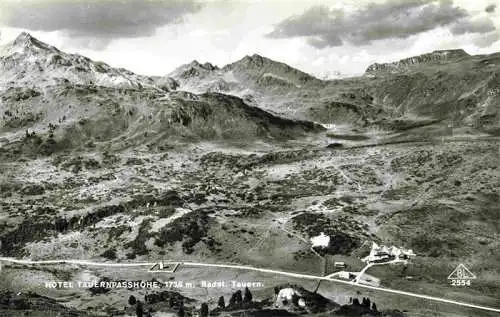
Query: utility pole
x=325 y=265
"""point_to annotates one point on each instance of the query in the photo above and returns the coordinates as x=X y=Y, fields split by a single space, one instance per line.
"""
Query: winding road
x=250 y=268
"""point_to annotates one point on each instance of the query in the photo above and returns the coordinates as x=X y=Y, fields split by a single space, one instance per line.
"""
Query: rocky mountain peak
x=455 y=52
x=193 y=69
x=194 y=63
x=255 y=59
x=198 y=65
x=26 y=41
x=206 y=66
x=29 y=60
x=24 y=38
x=256 y=63
x=27 y=47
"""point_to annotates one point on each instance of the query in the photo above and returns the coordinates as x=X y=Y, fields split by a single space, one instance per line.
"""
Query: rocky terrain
x=450 y=87
x=244 y=164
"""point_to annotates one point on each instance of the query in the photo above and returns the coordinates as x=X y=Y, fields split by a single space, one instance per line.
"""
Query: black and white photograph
x=249 y=158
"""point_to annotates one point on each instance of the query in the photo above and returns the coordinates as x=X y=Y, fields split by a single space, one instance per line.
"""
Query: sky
x=324 y=38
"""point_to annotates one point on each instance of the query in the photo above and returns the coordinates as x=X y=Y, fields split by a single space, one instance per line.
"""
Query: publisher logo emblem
x=461 y=276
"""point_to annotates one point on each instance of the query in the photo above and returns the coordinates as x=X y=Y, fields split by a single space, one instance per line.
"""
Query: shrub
x=109 y=254
x=204 y=310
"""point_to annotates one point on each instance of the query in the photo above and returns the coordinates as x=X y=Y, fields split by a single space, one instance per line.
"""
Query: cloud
x=491 y=8
x=472 y=26
x=324 y=27
x=487 y=39
x=96 y=23
x=87 y=42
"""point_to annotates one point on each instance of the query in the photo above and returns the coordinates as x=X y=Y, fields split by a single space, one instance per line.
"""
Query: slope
x=70 y=100
x=27 y=61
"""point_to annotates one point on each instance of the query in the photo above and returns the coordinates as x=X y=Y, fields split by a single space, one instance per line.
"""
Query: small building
x=320 y=241
x=286 y=295
x=345 y=275
x=380 y=254
x=340 y=265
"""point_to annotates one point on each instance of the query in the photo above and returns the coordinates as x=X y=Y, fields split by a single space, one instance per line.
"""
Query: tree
x=366 y=302
x=5 y=299
x=132 y=300
x=204 y=310
x=222 y=302
x=181 y=312
x=238 y=297
x=355 y=302
x=276 y=290
x=139 y=309
x=171 y=302
x=110 y=254
x=374 y=307
x=232 y=301
x=61 y=224
x=295 y=299
x=247 y=297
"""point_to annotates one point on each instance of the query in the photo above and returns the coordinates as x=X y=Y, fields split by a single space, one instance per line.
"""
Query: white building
x=344 y=275
x=320 y=241
x=286 y=294
x=382 y=253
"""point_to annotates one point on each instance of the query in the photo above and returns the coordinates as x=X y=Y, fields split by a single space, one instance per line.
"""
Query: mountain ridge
x=423 y=87
x=26 y=40
x=69 y=100
x=29 y=61
x=416 y=89
x=435 y=57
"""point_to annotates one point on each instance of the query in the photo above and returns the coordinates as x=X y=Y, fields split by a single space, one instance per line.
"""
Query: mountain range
x=43 y=87
x=448 y=86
